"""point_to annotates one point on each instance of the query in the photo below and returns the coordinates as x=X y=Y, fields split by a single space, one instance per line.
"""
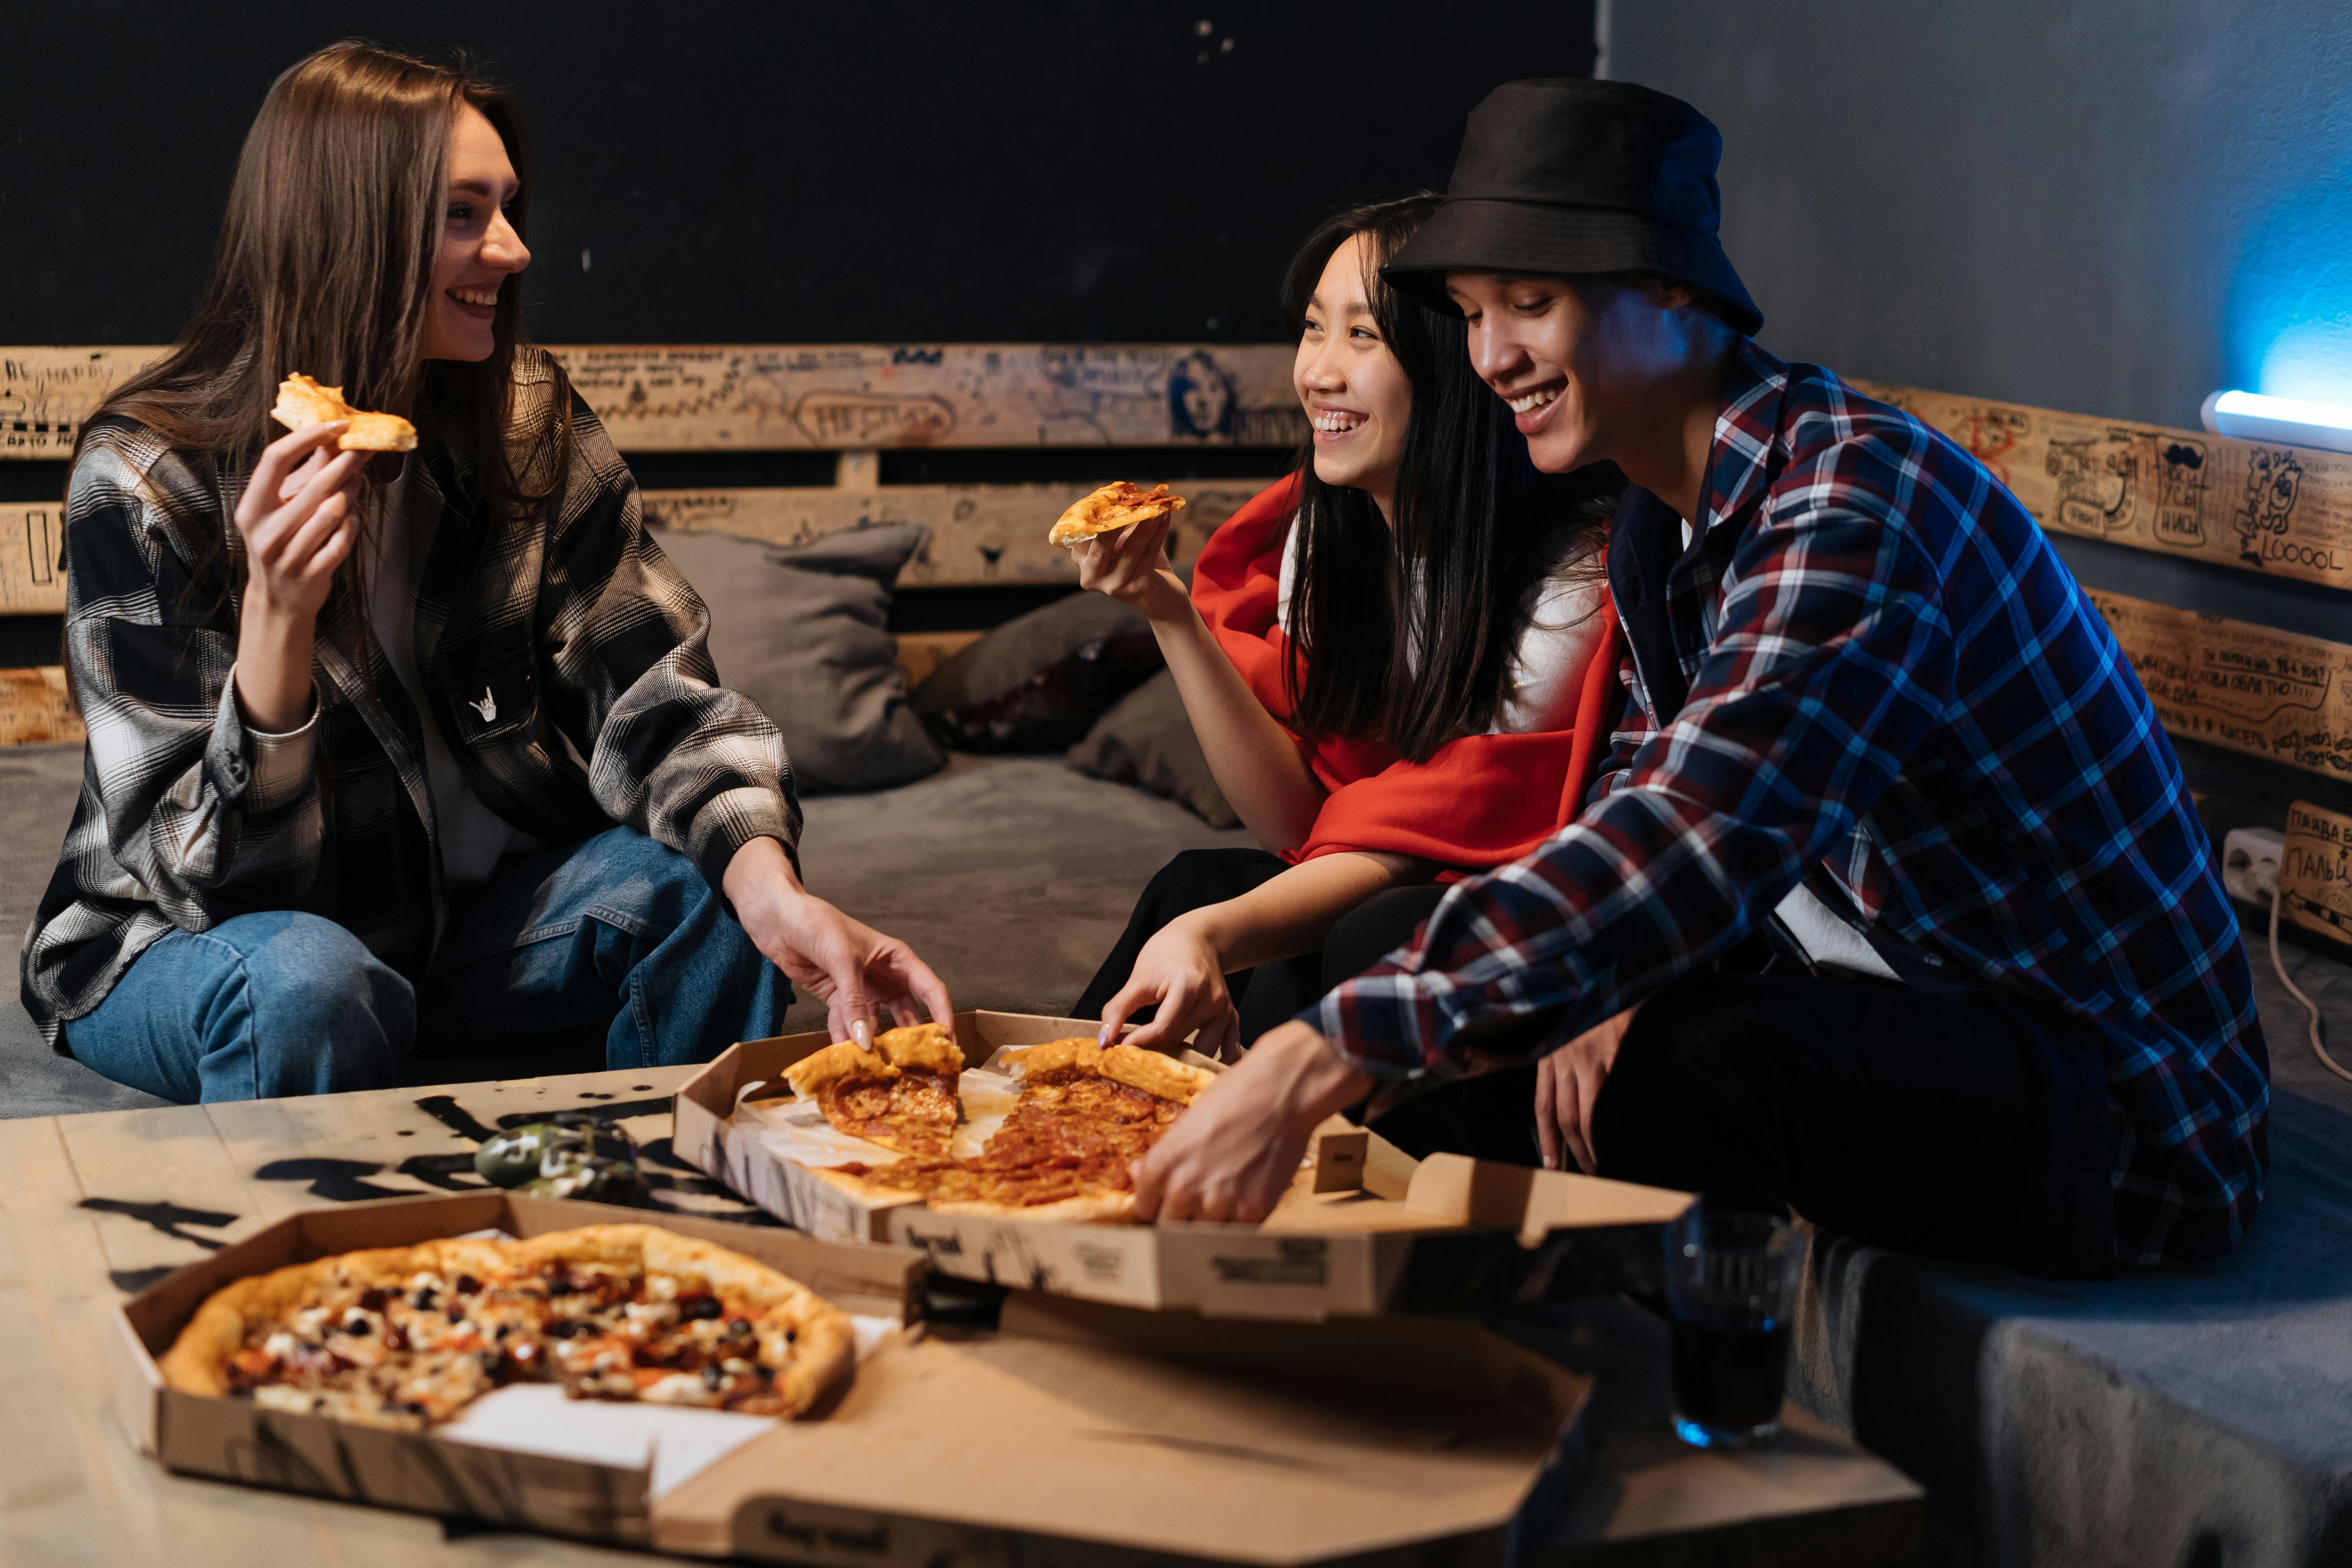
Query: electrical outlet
x=2249 y=863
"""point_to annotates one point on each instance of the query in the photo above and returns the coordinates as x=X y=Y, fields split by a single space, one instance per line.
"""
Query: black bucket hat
x=1570 y=177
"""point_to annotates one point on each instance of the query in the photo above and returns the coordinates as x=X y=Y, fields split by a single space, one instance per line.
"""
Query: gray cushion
x=1038 y=683
x=803 y=630
x=1147 y=738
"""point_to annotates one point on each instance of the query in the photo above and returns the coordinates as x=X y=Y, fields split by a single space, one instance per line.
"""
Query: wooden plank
x=982 y=535
x=2285 y=511
x=35 y=709
x=46 y=394
x=752 y=398
x=680 y=399
x=919 y=653
x=31 y=580
x=2316 y=871
x=2251 y=688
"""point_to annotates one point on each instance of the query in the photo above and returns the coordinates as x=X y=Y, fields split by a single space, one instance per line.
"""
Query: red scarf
x=1480 y=801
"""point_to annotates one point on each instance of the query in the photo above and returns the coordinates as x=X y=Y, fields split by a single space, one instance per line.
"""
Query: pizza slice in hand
x=302 y=401
x=1119 y=505
x=901 y=1094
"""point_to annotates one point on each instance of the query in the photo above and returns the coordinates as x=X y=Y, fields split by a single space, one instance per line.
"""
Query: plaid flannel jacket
x=1892 y=677
x=601 y=706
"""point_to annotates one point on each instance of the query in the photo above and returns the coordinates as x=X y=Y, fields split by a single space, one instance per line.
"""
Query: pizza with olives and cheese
x=302 y=401
x=406 y=1337
x=1121 y=504
x=901 y=1094
x=1085 y=1114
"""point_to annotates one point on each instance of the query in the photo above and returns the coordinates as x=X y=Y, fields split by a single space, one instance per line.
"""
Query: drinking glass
x=1731 y=1280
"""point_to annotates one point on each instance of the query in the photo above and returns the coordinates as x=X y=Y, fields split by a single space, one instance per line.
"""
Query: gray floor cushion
x=2200 y=1419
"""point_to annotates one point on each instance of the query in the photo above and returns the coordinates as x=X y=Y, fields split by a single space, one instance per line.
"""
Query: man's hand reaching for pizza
x=1236 y=1151
x=851 y=967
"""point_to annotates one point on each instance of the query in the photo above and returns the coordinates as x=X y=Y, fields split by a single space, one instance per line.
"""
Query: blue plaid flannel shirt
x=1890 y=675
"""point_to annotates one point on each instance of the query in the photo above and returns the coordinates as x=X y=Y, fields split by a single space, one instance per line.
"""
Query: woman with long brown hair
x=424 y=750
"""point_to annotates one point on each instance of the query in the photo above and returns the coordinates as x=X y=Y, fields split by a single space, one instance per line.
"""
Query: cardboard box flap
x=1139 y=1434
x=1456 y=1190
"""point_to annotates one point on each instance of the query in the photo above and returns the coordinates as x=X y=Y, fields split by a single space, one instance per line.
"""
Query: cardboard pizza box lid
x=1383 y=1233
x=1079 y=1433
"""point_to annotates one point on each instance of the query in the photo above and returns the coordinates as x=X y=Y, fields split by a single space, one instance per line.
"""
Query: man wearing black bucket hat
x=1891 y=905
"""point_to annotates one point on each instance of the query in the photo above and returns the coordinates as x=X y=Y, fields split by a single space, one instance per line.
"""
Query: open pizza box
x=1071 y=1433
x=1364 y=1229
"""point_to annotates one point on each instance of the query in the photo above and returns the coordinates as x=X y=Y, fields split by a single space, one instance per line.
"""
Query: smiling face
x=480 y=248
x=1355 y=393
x=1581 y=361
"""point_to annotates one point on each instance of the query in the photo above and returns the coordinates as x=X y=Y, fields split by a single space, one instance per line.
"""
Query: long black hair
x=1407 y=629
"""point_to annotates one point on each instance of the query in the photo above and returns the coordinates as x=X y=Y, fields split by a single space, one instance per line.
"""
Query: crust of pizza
x=842 y=1059
x=916 y=1047
x=1163 y=1076
x=823 y=1346
x=1121 y=504
x=195 y=1362
x=864 y=1189
x=302 y=401
x=924 y=1047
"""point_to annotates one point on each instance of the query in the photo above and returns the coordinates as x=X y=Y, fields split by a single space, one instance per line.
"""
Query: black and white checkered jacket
x=601 y=707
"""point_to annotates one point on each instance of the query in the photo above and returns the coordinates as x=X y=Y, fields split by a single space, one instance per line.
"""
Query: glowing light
x=2252 y=416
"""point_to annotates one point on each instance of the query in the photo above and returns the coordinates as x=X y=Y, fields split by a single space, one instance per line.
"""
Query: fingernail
x=1549 y=1164
x=863 y=1033
x=1102 y=1036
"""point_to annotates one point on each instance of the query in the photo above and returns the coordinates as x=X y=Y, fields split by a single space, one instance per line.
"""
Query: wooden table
x=94 y=1208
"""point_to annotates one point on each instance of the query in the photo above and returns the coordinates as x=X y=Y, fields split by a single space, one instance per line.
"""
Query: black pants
x=1491 y=1117
x=1968 y=1128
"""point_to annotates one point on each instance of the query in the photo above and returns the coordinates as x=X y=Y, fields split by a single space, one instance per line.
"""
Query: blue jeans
x=617 y=931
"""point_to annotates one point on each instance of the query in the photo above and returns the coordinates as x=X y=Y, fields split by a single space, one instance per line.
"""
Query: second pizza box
x=1068 y=1435
x=1365 y=1229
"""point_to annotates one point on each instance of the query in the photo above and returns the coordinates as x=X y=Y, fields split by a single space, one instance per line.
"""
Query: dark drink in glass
x=1730 y=1379
x=1731 y=1280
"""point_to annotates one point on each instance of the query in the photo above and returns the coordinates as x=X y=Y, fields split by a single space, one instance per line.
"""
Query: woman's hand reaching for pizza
x=850 y=967
x=1235 y=1151
x=1131 y=566
x=1179 y=972
x=1568 y=1083
x=298 y=520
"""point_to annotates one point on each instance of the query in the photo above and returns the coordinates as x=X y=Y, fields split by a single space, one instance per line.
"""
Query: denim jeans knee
x=266 y=1005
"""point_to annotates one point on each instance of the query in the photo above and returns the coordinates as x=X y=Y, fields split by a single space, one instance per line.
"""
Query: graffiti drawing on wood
x=2251 y=688
x=32 y=580
x=34 y=708
x=2316 y=870
x=2285 y=510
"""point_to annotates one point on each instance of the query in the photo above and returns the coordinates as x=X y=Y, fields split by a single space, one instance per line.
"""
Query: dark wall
x=1128 y=170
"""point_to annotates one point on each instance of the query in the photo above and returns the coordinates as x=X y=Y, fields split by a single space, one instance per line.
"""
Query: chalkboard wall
x=788 y=173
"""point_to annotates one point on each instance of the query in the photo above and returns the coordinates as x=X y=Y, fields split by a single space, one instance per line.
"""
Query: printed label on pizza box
x=1359 y=1233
